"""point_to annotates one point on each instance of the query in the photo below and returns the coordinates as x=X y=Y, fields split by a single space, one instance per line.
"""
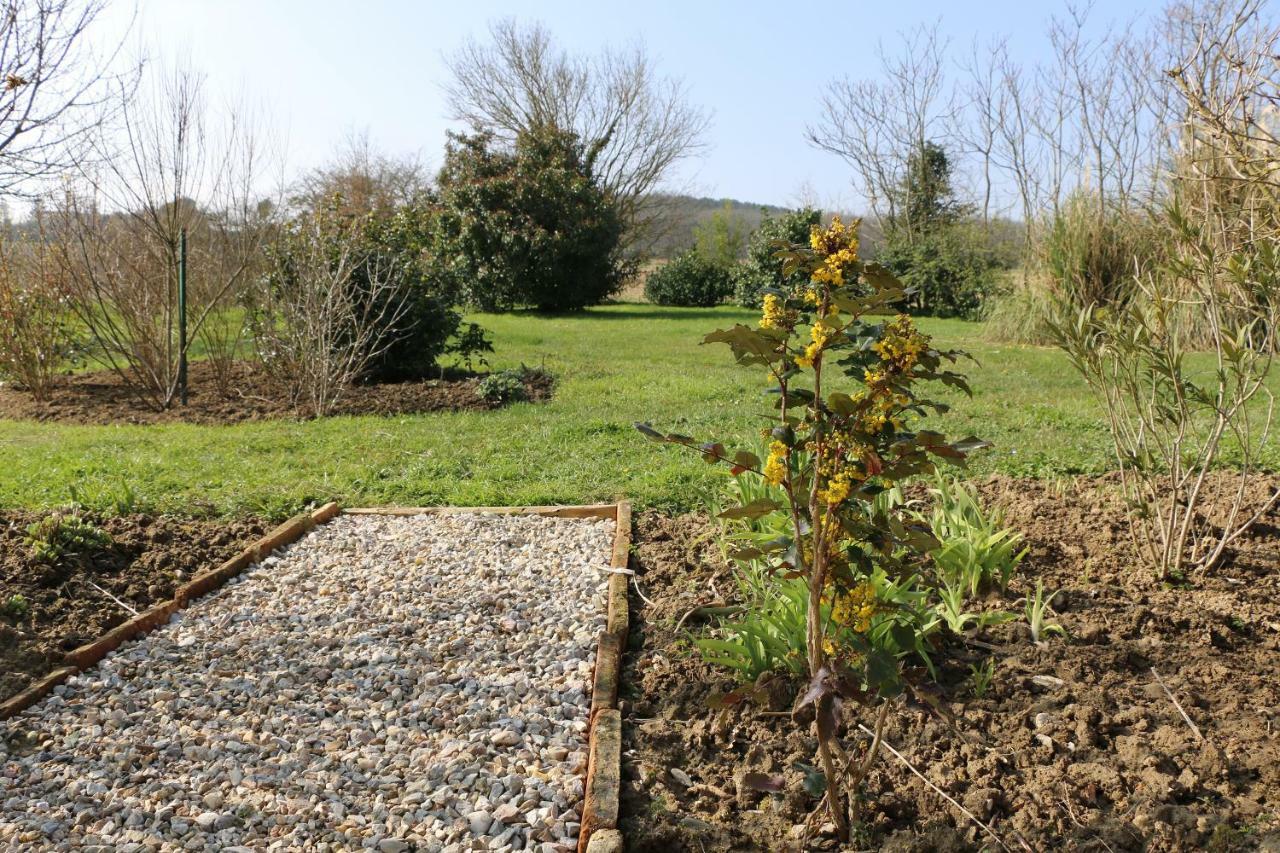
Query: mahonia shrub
x=844 y=373
x=689 y=280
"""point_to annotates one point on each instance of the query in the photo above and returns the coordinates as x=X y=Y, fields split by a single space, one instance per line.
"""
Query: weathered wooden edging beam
x=602 y=792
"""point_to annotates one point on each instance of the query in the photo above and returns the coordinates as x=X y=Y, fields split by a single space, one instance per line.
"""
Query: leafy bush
x=762 y=269
x=429 y=325
x=332 y=304
x=689 y=280
x=64 y=534
x=1168 y=421
x=392 y=210
x=506 y=386
x=528 y=226
x=950 y=270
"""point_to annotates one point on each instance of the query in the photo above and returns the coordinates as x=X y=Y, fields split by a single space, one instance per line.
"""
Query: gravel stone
x=387 y=682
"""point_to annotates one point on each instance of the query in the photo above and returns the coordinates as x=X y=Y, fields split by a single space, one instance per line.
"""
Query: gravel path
x=394 y=683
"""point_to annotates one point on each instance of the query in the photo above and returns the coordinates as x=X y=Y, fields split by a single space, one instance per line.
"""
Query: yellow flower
x=774 y=313
x=901 y=344
x=775 y=467
x=820 y=335
x=838 y=488
x=828 y=273
x=837 y=240
x=855 y=608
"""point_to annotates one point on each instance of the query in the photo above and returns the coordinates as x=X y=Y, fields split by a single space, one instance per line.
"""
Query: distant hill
x=680 y=213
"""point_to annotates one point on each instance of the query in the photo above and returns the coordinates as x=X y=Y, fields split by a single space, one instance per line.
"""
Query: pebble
x=392 y=683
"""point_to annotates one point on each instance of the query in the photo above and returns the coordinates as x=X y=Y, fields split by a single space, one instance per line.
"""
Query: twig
x=1194 y=728
x=898 y=755
x=110 y=596
x=643 y=597
x=707 y=610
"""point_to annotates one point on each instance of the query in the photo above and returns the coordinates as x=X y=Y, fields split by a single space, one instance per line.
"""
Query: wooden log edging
x=602 y=791
x=80 y=659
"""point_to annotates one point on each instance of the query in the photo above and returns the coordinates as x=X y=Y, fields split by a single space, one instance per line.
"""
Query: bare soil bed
x=101 y=398
x=148 y=558
x=1093 y=757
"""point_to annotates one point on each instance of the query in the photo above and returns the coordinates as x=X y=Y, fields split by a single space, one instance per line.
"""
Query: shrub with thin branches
x=332 y=305
x=36 y=333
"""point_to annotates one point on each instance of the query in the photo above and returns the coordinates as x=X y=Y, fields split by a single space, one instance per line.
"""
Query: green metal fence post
x=182 y=316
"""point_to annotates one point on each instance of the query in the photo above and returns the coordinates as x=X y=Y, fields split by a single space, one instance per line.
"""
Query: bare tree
x=981 y=135
x=366 y=179
x=332 y=307
x=169 y=171
x=57 y=90
x=877 y=126
x=637 y=124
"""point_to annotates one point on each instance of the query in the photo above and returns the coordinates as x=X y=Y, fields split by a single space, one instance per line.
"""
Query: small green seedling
x=15 y=607
x=958 y=620
x=63 y=534
x=1037 y=609
x=981 y=676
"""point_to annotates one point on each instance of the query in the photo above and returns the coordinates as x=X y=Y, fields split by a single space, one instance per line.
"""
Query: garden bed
x=48 y=609
x=100 y=397
x=1077 y=744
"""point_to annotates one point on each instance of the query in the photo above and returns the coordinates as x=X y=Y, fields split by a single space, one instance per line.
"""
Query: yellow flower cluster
x=836 y=238
x=838 y=488
x=775 y=467
x=900 y=346
x=774 y=312
x=820 y=334
x=855 y=608
x=837 y=245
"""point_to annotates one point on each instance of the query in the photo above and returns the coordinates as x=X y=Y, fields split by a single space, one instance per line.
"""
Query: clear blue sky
x=323 y=69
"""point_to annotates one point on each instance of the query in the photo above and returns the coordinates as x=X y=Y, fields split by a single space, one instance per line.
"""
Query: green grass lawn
x=615 y=365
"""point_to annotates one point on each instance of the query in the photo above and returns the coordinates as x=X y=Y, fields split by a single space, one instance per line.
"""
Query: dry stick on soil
x=702 y=611
x=110 y=596
x=898 y=755
x=872 y=751
x=1194 y=728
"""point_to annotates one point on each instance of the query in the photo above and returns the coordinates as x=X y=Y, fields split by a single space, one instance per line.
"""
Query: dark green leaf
x=755 y=509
